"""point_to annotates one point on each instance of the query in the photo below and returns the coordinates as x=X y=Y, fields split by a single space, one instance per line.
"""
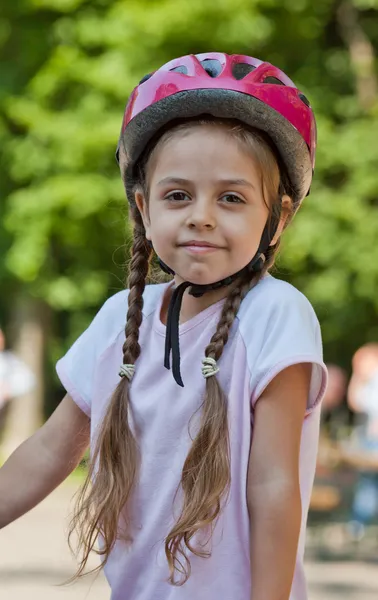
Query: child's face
x=204 y=187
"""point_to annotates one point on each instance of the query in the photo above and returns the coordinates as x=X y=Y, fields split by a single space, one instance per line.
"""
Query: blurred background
x=67 y=68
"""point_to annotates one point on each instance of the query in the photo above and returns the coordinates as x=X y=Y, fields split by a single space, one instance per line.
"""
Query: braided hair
x=114 y=465
x=205 y=478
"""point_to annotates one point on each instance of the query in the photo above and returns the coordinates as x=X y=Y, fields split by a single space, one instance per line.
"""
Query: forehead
x=203 y=150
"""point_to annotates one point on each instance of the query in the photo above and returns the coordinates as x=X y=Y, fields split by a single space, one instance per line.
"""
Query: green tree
x=69 y=66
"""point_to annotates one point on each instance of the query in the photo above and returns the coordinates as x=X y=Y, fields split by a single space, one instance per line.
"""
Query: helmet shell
x=225 y=86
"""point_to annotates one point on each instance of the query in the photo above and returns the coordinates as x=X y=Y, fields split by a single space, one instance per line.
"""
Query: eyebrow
x=182 y=181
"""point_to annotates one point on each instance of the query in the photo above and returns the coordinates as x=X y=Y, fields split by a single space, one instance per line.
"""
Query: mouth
x=200 y=244
x=200 y=249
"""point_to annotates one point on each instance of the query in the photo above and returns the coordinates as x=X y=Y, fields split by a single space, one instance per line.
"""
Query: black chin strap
x=173 y=318
x=172 y=334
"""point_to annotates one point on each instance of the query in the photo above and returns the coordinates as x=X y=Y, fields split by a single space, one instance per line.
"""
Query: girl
x=217 y=154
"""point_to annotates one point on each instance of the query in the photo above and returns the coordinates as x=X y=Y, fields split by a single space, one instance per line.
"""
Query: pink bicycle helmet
x=238 y=87
x=235 y=87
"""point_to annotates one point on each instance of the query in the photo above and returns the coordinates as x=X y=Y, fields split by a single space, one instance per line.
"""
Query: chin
x=201 y=278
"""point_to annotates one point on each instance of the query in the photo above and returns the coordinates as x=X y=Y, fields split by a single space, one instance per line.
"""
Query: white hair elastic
x=127 y=371
x=210 y=367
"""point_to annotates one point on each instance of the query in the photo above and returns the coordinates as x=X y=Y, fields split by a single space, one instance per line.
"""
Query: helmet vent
x=212 y=67
x=273 y=80
x=305 y=100
x=241 y=70
x=145 y=78
x=181 y=69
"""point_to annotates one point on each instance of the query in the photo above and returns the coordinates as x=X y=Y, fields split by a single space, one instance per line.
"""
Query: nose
x=202 y=214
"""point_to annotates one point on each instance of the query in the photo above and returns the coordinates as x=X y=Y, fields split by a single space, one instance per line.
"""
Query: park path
x=34 y=558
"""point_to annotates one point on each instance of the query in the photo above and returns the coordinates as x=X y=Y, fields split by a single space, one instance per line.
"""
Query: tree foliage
x=68 y=67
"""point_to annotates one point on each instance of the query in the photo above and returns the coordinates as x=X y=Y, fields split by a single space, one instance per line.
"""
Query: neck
x=192 y=306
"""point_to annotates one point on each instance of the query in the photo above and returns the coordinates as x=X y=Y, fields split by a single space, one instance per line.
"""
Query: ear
x=142 y=206
x=286 y=207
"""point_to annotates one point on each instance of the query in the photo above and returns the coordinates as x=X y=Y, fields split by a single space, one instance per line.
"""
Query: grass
x=77 y=476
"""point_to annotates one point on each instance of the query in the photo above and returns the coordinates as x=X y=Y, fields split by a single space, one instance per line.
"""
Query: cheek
x=164 y=226
x=248 y=226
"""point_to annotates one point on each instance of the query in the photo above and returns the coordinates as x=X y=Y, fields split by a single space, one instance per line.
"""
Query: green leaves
x=68 y=67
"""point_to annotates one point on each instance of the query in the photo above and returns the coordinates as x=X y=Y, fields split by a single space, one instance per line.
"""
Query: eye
x=232 y=199
x=177 y=197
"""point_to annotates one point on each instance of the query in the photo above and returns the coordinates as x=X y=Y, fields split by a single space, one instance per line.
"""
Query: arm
x=273 y=492
x=43 y=461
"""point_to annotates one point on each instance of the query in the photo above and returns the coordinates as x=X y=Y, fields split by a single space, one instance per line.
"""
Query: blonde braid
x=114 y=464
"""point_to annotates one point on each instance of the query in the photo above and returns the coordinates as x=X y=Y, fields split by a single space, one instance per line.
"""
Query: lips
x=200 y=244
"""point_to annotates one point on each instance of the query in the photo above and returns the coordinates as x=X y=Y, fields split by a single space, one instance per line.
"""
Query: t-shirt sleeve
x=292 y=336
x=77 y=369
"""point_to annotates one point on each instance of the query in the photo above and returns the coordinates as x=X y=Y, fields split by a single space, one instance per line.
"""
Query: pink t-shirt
x=276 y=327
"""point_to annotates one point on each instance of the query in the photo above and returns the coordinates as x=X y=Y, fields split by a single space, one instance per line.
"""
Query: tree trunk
x=361 y=53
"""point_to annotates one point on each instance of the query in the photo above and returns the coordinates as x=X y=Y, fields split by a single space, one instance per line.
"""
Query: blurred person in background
x=333 y=425
x=16 y=379
x=334 y=417
x=363 y=401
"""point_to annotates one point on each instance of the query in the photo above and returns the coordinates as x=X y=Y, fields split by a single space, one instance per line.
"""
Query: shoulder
x=118 y=303
x=111 y=318
x=277 y=321
x=78 y=368
x=279 y=328
x=273 y=299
